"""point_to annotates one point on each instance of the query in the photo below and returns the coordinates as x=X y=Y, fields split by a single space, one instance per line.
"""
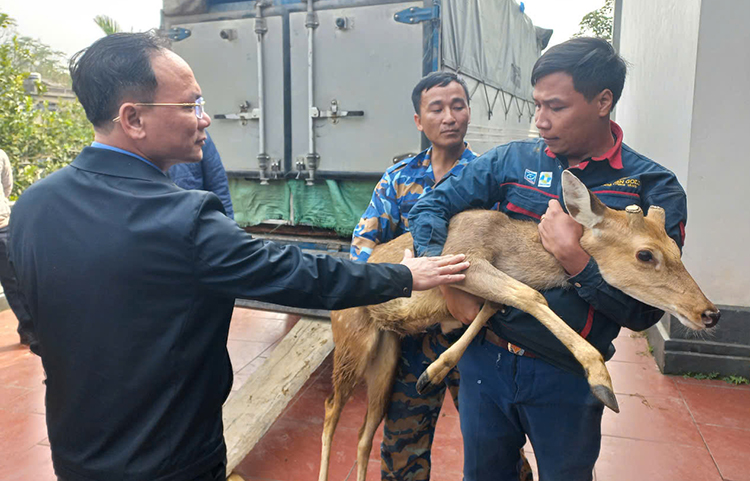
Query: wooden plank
x=250 y=411
x=267 y=306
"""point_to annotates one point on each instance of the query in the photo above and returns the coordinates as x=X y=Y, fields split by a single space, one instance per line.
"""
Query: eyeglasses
x=198 y=105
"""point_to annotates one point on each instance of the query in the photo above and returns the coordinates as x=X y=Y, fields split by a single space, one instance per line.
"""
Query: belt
x=493 y=338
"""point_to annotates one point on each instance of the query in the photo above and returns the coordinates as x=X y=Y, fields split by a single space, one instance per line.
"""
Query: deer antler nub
x=635 y=215
x=657 y=213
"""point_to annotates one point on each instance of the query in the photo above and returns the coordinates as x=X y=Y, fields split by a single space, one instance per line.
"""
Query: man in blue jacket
x=130 y=280
x=208 y=174
x=517 y=379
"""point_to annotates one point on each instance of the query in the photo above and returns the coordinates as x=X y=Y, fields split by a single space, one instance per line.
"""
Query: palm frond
x=107 y=24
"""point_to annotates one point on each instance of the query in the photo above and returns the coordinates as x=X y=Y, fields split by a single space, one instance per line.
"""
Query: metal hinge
x=178 y=33
x=415 y=15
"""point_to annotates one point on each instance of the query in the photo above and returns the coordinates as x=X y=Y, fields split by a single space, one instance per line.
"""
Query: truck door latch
x=334 y=114
x=245 y=114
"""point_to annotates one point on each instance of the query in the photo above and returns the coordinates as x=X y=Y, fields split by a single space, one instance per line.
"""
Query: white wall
x=659 y=39
x=685 y=105
x=719 y=170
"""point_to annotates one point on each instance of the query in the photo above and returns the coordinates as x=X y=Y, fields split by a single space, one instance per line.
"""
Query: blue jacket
x=208 y=174
x=523 y=176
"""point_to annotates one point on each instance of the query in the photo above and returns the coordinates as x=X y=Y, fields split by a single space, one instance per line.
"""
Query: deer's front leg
x=484 y=280
x=437 y=371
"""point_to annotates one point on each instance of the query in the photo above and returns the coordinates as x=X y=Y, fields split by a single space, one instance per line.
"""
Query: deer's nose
x=710 y=318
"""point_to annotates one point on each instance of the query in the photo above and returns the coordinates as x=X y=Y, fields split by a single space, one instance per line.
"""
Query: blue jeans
x=504 y=397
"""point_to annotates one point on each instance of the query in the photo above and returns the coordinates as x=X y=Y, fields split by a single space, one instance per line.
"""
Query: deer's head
x=635 y=255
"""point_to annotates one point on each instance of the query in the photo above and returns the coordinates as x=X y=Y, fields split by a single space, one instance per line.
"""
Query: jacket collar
x=109 y=162
x=613 y=155
x=424 y=158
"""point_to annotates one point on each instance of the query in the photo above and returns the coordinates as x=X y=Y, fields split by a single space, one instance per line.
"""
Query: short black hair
x=592 y=62
x=112 y=67
x=435 y=79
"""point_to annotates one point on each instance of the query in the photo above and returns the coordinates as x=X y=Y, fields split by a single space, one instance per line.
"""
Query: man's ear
x=418 y=122
x=131 y=121
x=605 y=102
x=582 y=205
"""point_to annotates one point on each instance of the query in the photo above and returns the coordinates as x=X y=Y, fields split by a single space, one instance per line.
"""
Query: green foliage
x=107 y=24
x=736 y=380
x=700 y=375
x=43 y=60
x=38 y=141
x=32 y=55
x=598 y=23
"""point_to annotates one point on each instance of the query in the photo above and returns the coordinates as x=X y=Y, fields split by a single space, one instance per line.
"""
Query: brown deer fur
x=509 y=266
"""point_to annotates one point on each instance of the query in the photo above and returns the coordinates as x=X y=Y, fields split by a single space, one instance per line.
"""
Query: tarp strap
x=473 y=91
x=487 y=99
x=494 y=101
x=506 y=104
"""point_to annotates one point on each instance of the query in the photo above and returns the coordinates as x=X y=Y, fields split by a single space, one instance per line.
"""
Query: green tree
x=598 y=23
x=43 y=60
x=38 y=140
x=32 y=55
x=107 y=24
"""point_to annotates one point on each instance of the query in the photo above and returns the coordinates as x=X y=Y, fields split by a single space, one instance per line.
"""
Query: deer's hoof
x=423 y=383
x=606 y=396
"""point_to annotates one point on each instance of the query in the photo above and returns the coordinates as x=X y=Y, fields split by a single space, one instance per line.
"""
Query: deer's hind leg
x=379 y=375
x=345 y=377
x=357 y=340
x=485 y=281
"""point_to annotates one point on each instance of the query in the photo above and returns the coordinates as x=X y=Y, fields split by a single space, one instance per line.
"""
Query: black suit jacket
x=131 y=281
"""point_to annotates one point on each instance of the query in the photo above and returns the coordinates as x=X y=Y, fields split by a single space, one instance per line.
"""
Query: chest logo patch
x=530 y=176
x=545 y=179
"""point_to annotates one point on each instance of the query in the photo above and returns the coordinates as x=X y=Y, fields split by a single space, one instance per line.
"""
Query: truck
x=310 y=99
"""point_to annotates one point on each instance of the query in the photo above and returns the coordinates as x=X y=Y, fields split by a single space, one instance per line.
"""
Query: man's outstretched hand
x=429 y=272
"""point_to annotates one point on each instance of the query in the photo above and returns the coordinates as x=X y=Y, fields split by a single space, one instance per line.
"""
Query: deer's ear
x=582 y=205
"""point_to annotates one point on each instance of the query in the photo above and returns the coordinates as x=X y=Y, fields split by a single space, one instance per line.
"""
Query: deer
x=508 y=267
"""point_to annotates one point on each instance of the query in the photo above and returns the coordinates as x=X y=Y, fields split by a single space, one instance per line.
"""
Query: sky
x=68 y=25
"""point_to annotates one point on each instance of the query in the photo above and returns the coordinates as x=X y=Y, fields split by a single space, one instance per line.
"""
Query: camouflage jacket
x=387 y=216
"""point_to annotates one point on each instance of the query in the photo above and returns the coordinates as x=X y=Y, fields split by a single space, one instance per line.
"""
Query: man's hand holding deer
x=462 y=305
x=429 y=272
x=561 y=235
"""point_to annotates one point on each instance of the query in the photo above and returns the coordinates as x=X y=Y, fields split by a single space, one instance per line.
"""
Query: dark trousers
x=505 y=397
x=10 y=285
x=217 y=473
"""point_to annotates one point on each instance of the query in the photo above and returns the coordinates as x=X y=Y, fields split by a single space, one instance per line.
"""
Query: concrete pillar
x=685 y=105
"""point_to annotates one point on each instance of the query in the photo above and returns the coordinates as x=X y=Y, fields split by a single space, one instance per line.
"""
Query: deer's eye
x=645 y=256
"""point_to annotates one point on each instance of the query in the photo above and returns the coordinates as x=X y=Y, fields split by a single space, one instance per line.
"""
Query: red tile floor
x=669 y=428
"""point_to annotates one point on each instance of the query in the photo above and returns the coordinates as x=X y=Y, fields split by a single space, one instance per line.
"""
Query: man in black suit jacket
x=131 y=280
